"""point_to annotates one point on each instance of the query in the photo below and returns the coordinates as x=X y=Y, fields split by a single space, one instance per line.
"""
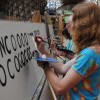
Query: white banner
x=19 y=73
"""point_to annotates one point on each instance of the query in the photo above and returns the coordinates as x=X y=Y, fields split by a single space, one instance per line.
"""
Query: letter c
x=5 y=82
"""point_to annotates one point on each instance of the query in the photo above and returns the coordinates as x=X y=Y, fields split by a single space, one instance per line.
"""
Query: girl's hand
x=38 y=39
x=40 y=44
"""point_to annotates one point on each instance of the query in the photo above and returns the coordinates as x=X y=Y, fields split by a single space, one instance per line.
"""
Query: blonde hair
x=86 y=25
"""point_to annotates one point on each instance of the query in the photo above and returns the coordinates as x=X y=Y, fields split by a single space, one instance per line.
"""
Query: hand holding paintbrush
x=40 y=44
x=39 y=38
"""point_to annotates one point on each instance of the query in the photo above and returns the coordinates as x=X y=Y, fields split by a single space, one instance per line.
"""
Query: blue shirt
x=88 y=66
x=70 y=45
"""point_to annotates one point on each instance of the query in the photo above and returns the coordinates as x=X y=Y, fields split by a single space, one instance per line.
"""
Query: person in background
x=82 y=79
x=69 y=46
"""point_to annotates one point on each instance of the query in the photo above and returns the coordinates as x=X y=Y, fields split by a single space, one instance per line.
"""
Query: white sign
x=19 y=73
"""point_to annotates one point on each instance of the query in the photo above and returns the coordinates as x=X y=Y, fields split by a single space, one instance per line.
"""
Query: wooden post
x=61 y=26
